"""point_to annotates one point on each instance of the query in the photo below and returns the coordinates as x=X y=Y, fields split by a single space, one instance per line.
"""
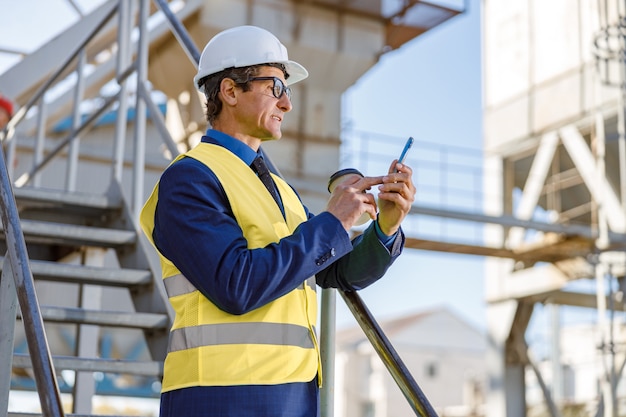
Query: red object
x=6 y=105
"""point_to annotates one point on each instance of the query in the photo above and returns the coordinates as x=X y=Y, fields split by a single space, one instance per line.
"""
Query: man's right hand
x=350 y=199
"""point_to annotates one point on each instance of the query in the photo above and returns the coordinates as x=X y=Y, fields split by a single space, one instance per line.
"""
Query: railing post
x=123 y=61
x=88 y=335
x=11 y=148
x=41 y=137
x=140 y=111
x=327 y=347
x=8 y=309
x=72 y=154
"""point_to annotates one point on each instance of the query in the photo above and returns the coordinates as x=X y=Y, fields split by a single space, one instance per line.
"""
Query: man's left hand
x=395 y=197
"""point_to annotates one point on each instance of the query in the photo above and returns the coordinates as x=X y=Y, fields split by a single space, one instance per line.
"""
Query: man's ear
x=228 y=89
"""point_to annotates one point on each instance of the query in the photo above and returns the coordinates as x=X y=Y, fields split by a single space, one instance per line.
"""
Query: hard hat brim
x=296 y=73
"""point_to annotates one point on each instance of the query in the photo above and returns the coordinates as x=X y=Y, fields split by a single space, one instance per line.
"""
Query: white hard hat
x=243 y=46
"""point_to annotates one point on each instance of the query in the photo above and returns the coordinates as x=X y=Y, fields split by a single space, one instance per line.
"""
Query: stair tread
x=65 y=198
x=63 y=272
x=147 y=321
x=49 y=232
x=121 y=366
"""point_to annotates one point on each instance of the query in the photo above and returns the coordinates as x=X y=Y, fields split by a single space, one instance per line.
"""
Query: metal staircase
x=93 y=317
x=57 y=225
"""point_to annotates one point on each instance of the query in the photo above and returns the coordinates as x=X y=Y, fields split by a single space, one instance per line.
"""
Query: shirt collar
x=243 y=151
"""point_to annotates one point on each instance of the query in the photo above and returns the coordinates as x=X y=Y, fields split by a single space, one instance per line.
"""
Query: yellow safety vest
x=273 y=344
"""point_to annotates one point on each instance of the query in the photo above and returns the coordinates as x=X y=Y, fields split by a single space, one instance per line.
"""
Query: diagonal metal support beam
x=534 y=184
x=598 y=186
x=552 y=408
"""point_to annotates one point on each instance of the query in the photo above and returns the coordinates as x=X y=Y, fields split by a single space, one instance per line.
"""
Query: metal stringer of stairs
x=66 y=233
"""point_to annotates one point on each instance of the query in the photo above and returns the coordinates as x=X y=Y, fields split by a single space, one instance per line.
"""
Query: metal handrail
x=379 y=341
x=180 y=32
x=413 y=393
x=45 y=377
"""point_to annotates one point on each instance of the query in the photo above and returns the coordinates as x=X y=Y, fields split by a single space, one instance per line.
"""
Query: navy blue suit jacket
x=196 y=230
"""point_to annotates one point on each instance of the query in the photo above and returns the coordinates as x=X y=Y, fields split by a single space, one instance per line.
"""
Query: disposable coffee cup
x=342 y=175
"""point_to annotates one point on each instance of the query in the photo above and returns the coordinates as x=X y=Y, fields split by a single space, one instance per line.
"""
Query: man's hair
x=241 y=76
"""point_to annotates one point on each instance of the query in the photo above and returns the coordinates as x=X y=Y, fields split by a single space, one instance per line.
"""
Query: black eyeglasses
x=278 y=89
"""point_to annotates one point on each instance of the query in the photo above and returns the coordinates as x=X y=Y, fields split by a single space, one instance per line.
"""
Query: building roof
x=434 y=328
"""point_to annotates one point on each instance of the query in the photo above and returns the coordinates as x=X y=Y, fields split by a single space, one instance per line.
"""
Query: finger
x=350 y=180
x=366 y=183
x=393 y=205
x=369 y=199
x=371 y=207
x=402 y=168
x=396 y=182
x=394 y=178
x=393 y=188
x=399 y=189
x=393 y=196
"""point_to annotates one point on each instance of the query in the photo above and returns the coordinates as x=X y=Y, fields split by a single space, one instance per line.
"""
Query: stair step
x=81 y=274
x=73 y=235
x=115 y=366
x=45 y=197
x=146 y=321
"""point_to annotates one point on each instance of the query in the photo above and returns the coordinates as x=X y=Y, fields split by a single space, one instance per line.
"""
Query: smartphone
x=407 y=146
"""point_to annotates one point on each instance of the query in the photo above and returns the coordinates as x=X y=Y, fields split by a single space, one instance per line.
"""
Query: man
x=6 y=111
x=241 y=259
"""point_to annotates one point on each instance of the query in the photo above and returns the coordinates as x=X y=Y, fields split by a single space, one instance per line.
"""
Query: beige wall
x=539 y=67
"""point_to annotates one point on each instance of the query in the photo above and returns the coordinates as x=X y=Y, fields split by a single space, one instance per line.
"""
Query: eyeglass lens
x=278 y=87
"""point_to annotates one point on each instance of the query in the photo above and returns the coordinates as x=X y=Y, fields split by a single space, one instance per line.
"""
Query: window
x=367 y=409
x=431 y=370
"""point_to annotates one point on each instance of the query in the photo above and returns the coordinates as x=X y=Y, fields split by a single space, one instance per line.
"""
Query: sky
x=431 y=89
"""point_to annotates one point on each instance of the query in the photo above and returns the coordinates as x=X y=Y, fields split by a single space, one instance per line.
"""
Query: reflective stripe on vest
x=240 y=333
x=179 y=285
